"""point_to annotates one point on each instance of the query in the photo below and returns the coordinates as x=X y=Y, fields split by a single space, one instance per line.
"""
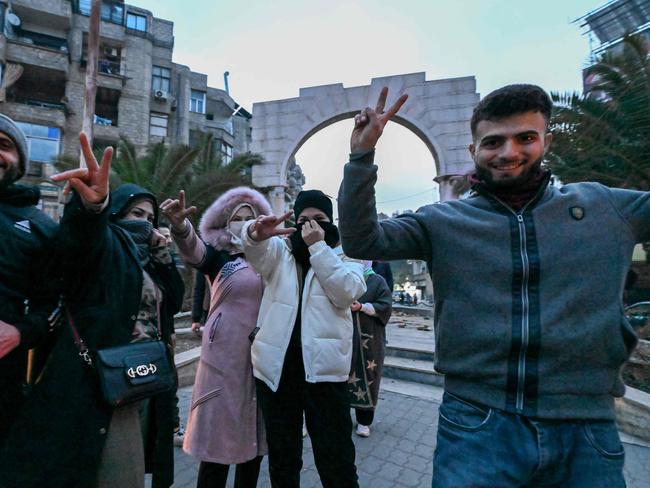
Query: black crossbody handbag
x=133 y=371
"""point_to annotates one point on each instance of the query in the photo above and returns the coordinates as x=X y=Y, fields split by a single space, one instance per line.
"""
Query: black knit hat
x=314 y=199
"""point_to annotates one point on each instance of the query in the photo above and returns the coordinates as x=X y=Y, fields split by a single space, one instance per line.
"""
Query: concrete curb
x=186 y=364
x=419 y=310
x=633 y=413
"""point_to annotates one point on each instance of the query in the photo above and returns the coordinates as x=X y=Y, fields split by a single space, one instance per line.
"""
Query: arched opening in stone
x=406 y=164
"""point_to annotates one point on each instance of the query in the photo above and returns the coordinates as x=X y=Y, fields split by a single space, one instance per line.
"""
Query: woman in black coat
x=370 y=314
x=63 y=436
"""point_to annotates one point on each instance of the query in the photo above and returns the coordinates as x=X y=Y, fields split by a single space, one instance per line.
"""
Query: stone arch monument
x=437 y=111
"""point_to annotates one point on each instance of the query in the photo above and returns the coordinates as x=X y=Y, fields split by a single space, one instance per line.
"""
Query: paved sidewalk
x=399 y=450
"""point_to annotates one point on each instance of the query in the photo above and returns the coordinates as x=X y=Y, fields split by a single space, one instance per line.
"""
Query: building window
x=161 y=78
x=43 y=141
x=158 y=124
x=136 y=22
x=106 y=106
x=85 y=6
x=113 y=12
x=197 y=102
x=110 y=11
x=226 y=152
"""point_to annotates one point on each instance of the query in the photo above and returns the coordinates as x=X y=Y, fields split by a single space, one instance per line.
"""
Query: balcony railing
x=104 y=121
x=42 y=40
x=105 y=66
x=39 y=103
x=109 y=67
x=225 y=126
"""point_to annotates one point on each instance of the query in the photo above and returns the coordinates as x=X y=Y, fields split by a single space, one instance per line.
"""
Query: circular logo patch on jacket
x=578 y=213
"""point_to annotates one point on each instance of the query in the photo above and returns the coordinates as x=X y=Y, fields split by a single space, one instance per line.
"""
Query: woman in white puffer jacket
x=302 y=351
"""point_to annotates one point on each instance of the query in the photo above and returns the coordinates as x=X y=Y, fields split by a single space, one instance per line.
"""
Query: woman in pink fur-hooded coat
x=225 y=425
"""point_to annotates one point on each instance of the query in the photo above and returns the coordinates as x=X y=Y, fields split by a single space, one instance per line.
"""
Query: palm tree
x=164 y=170
x=161 y=169
x=200 y=171
x=210 y=176
x=604 y=134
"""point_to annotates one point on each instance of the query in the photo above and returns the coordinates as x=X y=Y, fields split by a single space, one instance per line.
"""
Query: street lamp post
x=91 y=74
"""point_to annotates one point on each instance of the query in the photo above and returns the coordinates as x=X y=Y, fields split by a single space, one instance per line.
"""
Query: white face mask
x=235 y=229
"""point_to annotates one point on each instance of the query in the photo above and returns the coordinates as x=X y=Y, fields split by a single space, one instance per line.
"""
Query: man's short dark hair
x=512 y=100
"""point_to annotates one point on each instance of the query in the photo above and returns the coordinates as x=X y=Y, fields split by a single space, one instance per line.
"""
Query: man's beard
x=8 y=174
x=526 y=176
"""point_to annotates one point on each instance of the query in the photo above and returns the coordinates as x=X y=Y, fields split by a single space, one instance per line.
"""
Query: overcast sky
x=272 y=49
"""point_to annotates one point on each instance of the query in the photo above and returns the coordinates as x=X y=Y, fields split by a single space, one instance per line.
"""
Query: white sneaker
x=179 y=436
x=363 y=430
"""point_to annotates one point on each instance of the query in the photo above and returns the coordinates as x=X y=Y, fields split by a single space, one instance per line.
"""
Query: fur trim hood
x=215 y=218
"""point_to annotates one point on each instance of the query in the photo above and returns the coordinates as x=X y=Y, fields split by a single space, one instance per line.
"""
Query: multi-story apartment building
x=606 y=27
x=142 y=94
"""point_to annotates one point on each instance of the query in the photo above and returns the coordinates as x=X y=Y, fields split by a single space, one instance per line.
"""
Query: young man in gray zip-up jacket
x=528 y=281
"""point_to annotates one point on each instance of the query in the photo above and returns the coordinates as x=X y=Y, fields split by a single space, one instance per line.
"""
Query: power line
x=408 y=196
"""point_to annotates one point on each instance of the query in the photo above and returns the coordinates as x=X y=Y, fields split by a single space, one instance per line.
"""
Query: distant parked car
x=638 y=314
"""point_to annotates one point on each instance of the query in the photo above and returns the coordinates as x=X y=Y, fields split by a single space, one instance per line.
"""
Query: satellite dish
x=13 y=20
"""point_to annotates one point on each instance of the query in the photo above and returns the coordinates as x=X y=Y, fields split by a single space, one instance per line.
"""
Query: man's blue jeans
x=484 y=447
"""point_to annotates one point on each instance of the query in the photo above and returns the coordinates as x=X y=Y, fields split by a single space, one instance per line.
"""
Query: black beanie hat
x=313 y=198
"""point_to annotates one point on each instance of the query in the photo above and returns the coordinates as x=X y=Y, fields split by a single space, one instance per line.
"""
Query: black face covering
x=140 y=232
x=299 y=248
x=331 y=233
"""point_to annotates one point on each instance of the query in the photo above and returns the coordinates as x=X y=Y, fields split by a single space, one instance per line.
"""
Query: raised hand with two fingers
x=266 y=226
x=175 y=211
x=92 y=182
x=369 y=123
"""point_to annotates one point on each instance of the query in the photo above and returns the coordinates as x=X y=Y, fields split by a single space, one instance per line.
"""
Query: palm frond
x=200 y=171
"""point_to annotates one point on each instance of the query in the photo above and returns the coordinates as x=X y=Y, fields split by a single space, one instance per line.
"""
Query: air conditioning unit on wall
x=160 y=95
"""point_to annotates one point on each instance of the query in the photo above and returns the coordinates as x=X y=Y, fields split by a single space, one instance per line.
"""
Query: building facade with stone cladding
x=142 y=94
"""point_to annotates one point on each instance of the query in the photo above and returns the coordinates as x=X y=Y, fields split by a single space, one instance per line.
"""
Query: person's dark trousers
x=11 y=392
x=364 y=417
x=157 y=424
x=214 y=475
x=327 y=414
x=479 y=446
x=176 y=410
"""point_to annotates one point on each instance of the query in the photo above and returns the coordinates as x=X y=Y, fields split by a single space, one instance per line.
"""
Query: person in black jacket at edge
x=114 y=267
x=27 y=294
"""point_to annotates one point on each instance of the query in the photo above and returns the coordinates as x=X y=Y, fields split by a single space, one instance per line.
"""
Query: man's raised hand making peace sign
x=369 y=124
x=92 y=183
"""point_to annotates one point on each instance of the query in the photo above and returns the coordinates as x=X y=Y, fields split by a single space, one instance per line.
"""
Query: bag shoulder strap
x=158 y=309
x=84 y=352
